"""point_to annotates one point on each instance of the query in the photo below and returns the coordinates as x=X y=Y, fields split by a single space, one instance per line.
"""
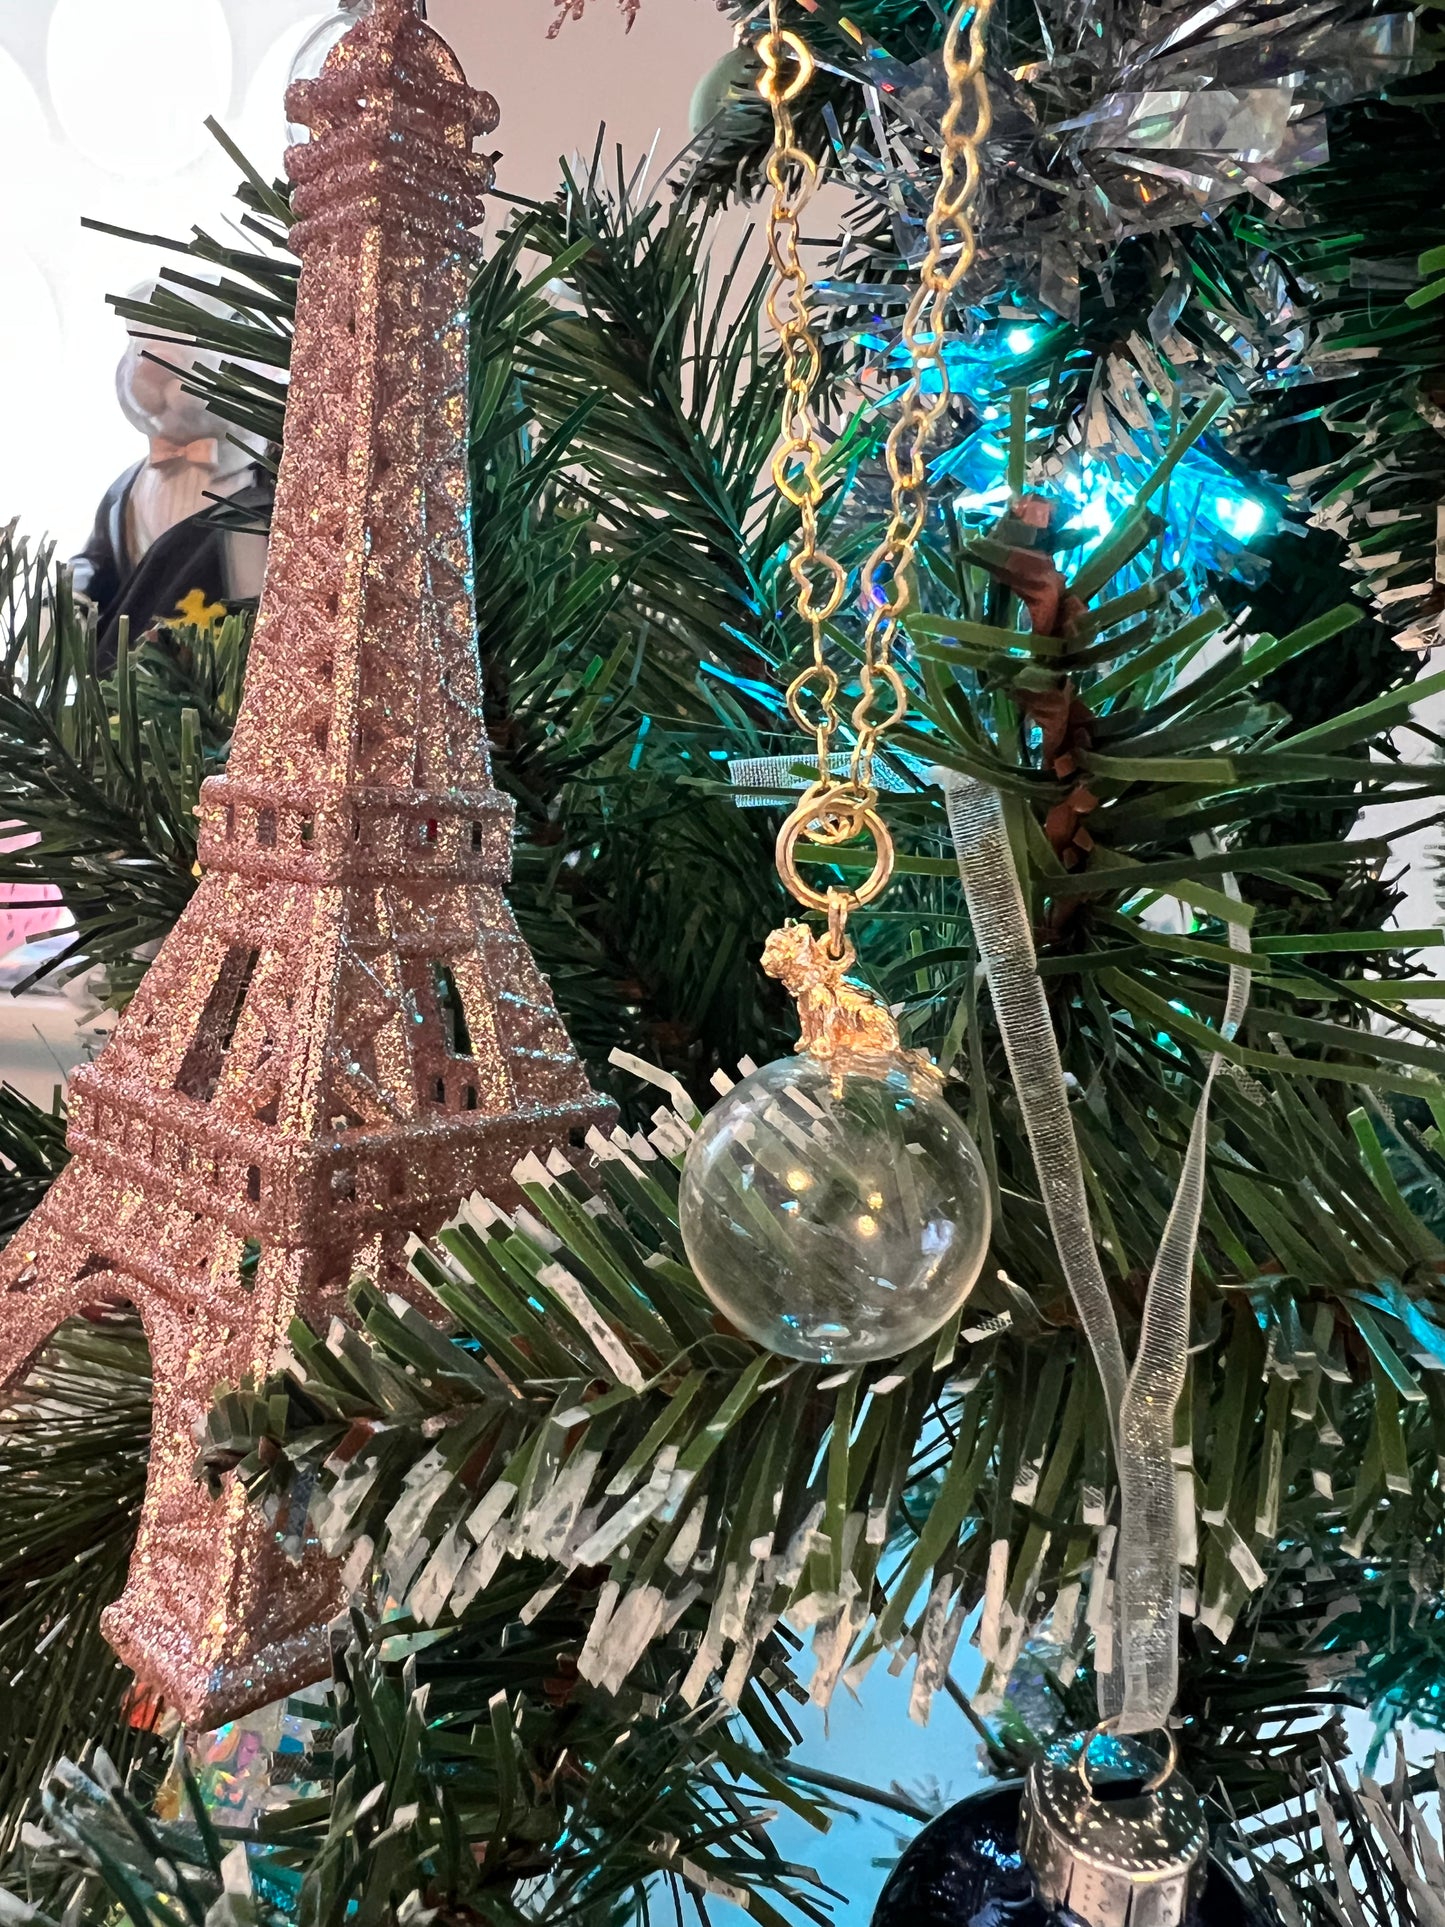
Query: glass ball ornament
x=311 y=54
x=966 y=1868
x=835 y=1210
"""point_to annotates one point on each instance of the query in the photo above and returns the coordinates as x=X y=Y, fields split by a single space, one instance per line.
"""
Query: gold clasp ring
x=836 y=816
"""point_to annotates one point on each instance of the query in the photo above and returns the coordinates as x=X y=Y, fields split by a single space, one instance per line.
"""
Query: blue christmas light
x=1240 y=514
x=1097 y=508
x=1213 y=514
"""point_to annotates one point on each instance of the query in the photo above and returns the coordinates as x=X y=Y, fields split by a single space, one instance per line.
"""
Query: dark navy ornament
x=966 y=1869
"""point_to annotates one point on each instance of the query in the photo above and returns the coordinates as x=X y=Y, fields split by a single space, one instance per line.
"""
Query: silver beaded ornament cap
x=1132 y=1861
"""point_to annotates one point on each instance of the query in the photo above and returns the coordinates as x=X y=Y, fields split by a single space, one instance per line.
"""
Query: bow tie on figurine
x=204 y=453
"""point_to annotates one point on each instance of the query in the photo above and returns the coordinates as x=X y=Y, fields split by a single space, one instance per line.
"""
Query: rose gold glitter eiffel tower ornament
x=345 y=1035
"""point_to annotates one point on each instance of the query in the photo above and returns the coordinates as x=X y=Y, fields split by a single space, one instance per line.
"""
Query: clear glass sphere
x=311 y=54
x=835 y=1212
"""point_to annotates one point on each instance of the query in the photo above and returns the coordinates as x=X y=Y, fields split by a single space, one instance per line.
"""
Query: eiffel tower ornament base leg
x=216 y=1616
x=206 y=1687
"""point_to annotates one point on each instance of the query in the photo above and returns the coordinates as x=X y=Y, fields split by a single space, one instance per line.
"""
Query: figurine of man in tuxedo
x=181 y=535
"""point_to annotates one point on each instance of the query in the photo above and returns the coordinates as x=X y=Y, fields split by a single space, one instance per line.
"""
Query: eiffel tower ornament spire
x=345 y=1035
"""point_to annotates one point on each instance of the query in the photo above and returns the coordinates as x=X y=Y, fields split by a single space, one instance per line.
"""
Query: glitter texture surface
x=345 y=1035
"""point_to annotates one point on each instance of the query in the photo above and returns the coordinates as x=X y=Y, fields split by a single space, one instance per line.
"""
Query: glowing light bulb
x=1240 y=515
x=1094 y=514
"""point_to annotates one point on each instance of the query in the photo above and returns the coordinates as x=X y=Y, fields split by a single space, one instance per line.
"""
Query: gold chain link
x=830 y=811
x=886 y=587
x=793 y=176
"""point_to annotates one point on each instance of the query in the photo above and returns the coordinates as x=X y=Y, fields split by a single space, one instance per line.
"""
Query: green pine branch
x=73 y=1449
x=474 y=1782
x=103 y=769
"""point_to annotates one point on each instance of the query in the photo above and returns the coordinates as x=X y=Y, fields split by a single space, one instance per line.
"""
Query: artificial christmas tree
x=648 y=1512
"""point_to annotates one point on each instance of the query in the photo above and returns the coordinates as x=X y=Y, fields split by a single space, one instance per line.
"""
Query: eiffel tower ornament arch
x=345 y=1035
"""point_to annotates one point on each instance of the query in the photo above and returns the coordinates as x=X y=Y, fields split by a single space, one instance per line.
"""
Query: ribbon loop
x=1139 y=1692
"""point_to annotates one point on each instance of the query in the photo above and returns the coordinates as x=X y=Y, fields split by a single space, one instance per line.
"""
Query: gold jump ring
x=864 y=818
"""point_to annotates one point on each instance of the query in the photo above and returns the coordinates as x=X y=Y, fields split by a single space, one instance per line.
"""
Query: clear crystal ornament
x=836 y=1210
x=311 y=54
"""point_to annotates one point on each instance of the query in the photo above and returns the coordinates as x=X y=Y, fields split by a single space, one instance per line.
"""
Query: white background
x=101 y=111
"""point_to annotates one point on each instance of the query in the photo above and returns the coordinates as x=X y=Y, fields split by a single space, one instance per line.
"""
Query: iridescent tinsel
x=1137 y=119
x=254 y=1764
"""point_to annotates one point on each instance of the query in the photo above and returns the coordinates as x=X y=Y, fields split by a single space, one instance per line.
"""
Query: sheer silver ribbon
x=1140 y=1689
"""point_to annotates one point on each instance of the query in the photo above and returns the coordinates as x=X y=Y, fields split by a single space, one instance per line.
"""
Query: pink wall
x=553 y=93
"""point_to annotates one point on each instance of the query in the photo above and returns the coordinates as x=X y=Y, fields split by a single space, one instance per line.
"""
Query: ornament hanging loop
x=840 y=951
x=1165 y=1772
x=952 y=251
x=833 y=813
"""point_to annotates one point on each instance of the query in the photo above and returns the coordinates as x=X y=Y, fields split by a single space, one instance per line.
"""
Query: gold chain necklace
x=834 y=812
x=833 y=1205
